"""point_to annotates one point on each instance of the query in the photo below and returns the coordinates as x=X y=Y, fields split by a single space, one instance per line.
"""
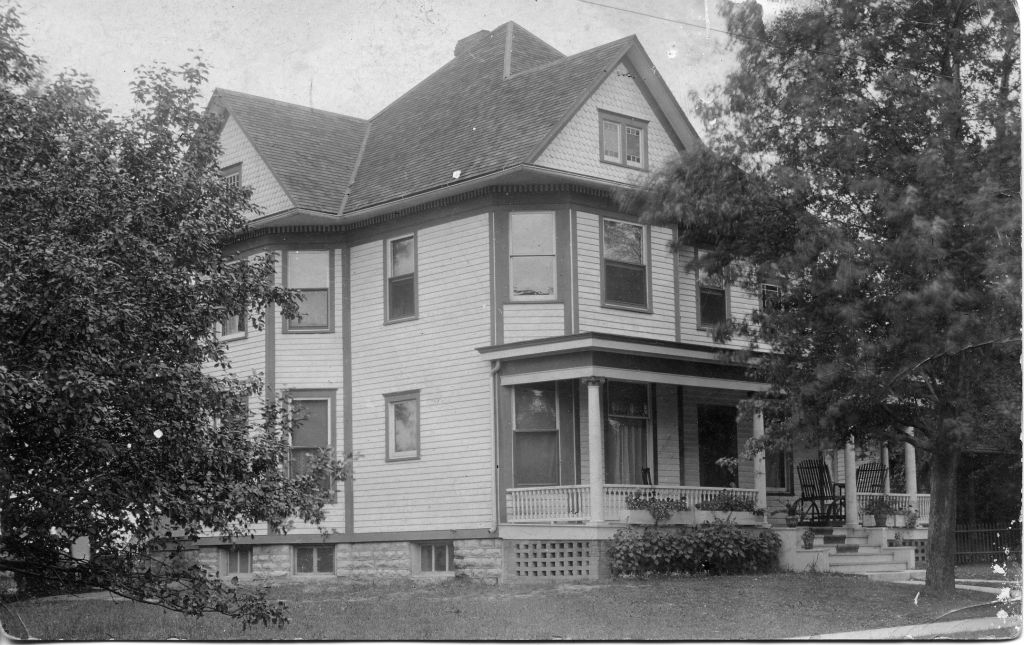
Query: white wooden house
x=482 y=324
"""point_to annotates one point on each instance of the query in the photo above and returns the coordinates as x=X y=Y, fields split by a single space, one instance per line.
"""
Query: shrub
x=727 y=501
x=714 y=548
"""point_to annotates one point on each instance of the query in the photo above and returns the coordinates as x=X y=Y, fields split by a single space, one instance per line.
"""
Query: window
x=769 y=297
x=625 y=264
x=232 y=175
x=711 y=298
x=311 y=433
x=403 y=425
x=401 y=284
x=532 y=255
x=433 y=557
x=625 y=435
x=236 y=559
x=623 y=141
x=314 y=559
x=309 y=273
x=535 y=435
x=233 y=327
x=778 y=470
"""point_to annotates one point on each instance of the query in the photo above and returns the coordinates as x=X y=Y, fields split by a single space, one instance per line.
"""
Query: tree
x=119 y=419
x=865 y=158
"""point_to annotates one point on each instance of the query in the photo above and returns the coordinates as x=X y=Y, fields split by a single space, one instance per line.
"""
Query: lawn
x=762 y=607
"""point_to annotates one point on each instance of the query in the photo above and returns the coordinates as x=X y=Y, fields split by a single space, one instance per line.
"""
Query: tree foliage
x=865 y=158
x=120 y=420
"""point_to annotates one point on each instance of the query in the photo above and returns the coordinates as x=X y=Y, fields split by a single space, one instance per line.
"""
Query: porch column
x=850 y=454
x=886 y=482
x=595 y=449
x=760 y=479
x=910 y=465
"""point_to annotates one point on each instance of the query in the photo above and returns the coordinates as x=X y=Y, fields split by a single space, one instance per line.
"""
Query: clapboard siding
x=576 y=148
x=660 y=324
x=449 y=486
x=236 y=148
x=667 y=441
x=531 y=321
x=315 y=361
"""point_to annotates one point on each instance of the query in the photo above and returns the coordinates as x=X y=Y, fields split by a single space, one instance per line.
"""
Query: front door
x=625 y=433
x=716 y=438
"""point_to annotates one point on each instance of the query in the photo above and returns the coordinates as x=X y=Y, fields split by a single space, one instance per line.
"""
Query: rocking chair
x=821 y=502
x=871 y=478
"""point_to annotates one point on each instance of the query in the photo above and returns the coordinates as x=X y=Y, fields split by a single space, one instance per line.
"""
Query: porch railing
x=548 y=504
x=572 y=503
x=901 y=502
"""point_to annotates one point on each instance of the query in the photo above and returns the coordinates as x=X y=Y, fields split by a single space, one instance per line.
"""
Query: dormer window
x=623 y=140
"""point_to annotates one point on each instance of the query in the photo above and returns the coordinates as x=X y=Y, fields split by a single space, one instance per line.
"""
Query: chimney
x=471 y=41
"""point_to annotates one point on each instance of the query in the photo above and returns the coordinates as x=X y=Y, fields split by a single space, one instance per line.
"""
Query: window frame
x=291 y=326
x=645 y=241
x=622 y=122
x=330 y=397
x=554 y=430
x=229 y=555
x=788 y=485
x=232 y=175
x=700 y=288
x=775 y=290
x=316 y=559
x=243 y=327
x=553 y=296
x=389 y=279
x=416 y=556
x=389 y=426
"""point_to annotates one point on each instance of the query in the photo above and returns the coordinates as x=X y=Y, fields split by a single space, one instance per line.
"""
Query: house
x=482 y=324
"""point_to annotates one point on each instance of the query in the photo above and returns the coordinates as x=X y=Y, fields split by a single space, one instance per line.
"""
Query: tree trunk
x=942 y=524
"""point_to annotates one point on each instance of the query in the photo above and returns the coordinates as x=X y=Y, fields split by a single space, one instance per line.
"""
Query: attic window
x=232 y=175
x=623 y=140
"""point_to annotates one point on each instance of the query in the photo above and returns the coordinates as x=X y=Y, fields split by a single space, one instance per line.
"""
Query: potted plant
x=728 y=505
x=910 y=518
x=792 y=513
x=880 y=508
x=660 y=509
x=807 y=537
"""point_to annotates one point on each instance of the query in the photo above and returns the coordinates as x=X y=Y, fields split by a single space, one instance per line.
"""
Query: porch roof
x=594 y=354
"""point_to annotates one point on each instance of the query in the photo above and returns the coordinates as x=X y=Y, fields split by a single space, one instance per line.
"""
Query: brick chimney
x=471 y=41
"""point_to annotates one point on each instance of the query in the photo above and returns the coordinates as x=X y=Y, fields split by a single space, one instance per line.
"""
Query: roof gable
x=312 y=153
x=469 y=118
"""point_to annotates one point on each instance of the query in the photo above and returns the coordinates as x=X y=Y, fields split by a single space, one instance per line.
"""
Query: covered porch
x=585 y=421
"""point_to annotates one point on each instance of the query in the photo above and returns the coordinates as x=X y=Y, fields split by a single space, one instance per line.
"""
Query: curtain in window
x=624 y=450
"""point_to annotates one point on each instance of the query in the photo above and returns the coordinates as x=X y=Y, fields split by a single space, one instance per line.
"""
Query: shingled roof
x=494 y=106
x=312 y=153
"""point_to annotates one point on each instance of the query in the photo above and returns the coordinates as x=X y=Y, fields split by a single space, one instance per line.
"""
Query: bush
x=727 y=501
x=715 y=548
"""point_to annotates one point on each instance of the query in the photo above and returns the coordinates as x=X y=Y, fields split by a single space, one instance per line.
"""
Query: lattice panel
x=554 y=559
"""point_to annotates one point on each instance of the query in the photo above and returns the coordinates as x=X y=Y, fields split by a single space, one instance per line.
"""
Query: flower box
x=643 y=516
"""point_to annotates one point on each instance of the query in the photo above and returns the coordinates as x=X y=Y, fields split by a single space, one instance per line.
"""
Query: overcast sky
x=354 y=56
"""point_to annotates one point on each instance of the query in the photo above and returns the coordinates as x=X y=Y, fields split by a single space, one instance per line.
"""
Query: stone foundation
x=478 y=559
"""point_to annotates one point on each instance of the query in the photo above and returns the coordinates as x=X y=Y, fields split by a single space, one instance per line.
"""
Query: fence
x=986 y=542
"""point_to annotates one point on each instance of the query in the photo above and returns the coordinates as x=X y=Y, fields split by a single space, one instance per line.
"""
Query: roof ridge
x=568 y=59
x=221 y=91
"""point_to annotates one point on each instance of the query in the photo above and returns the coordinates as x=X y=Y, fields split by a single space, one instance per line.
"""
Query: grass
x=763 y=607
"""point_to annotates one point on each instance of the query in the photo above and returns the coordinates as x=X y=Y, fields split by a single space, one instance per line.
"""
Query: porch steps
x=850 y=553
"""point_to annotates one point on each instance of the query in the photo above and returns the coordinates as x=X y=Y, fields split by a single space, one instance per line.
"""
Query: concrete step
x=847 y=548
x=860 y=558
x=867 y=568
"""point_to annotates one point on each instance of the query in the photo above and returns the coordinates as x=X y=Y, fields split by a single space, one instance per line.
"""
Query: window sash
x=625 y=284
x=778 y=474
x=314 y=559
x=239 y=560
x=233 y=326
x=769 y=296
x=623 y=141
x=435 y=558
x=611 y=144
x=403 y=427
x=308 y=272
x=532 y=255
x=401 y=297
x=310 y=435
x=634 y=145
x=712 y=306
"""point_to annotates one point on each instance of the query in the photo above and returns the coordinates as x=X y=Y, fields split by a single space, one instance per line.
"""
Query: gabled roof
x=469 y=117
x=494 y=107
x=312 y=153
